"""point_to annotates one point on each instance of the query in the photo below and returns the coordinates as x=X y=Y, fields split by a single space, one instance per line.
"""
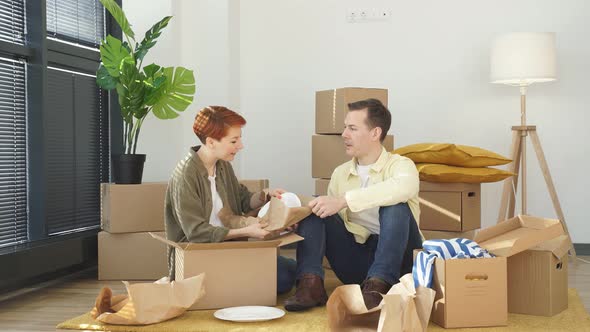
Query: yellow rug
x=575 y=318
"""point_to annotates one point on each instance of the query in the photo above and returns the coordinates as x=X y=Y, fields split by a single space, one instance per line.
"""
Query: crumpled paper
x=149 y=303
x=403 y=308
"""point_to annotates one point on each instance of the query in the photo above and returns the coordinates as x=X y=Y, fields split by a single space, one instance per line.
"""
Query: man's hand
x=325 y=206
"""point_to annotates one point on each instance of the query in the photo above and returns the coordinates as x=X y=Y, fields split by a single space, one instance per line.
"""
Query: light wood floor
x=42 y=307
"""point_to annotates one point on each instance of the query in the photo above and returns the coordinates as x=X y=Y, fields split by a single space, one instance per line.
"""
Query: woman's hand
x=256 y=230
x=277 y=192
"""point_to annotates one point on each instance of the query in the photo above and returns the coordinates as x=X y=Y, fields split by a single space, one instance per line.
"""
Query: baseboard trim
x=48 y=261
x=582 y=249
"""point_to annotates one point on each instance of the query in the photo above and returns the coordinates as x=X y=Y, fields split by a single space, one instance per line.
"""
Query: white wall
x=267 y=58
x=433 y=56
x=196 y=38
x=159 y=139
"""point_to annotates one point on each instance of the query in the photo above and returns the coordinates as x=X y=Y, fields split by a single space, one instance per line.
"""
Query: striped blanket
x=444 y=249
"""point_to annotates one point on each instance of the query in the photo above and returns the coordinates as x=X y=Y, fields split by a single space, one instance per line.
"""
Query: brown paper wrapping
x=402 y=309
x=149 y=303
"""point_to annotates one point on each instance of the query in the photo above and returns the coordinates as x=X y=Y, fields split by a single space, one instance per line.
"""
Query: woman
x=204 y=183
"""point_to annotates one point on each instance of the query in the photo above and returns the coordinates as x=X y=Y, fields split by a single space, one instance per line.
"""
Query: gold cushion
x=451 y=154
x=445 y=173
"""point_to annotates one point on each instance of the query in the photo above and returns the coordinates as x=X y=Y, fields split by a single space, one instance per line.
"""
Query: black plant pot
x=128 y=168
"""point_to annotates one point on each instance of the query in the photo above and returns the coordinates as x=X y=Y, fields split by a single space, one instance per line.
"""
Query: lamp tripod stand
x=518 y=154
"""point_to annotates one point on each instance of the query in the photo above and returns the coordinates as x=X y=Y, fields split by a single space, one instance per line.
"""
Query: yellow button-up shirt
x=393 y=179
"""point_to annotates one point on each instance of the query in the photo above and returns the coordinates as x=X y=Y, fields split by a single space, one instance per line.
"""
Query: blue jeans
x=387 y=256
x=286 y=268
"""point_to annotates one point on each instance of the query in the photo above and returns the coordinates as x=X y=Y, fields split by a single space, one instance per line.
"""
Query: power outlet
x=382 y=15
x=367 y=15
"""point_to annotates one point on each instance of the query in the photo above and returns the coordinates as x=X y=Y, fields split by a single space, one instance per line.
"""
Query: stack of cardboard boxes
x=327 y=147
x=126 y=251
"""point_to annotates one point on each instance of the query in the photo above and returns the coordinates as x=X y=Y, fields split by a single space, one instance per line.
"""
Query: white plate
x=289 y=199
x=249 y=313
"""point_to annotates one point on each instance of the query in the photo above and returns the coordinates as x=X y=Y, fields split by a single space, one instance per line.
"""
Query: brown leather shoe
x=310 y=293
x=373 y=290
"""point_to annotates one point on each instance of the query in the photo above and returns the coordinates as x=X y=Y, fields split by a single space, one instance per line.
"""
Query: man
x=367 y=225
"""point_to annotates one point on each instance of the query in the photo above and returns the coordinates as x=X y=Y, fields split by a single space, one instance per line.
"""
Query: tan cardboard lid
x=558 y=246
x=518 y=234
x=449 y=186
x=274 y=243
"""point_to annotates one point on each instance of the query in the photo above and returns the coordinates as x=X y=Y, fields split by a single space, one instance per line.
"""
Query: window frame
x=41 y=52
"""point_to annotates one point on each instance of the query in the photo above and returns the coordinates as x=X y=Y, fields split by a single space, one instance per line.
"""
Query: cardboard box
x=237 y=273
x=127 y=208
x=131 y=256
x=331 y=106
x=321 y=187
x=537 y=279
x=429 y=235
x=255 y=185
x=470 y=292
x=454 y=207
x=473 y=292
x=327 y=153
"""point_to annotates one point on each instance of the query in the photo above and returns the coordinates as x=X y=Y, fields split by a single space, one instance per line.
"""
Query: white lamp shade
x=523 y=58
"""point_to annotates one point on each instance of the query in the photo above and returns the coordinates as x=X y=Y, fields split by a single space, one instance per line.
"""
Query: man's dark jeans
x=387 y=256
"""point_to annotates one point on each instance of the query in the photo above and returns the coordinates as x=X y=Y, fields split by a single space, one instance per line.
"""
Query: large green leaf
x=131 y=92
x=150 y=38
x=151 y=70
x=104 y=79
x=119 y=16
x=154 y=83
x=113 y=54
x=177 y=93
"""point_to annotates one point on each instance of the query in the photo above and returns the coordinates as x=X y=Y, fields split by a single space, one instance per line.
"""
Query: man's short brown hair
x=377 y=114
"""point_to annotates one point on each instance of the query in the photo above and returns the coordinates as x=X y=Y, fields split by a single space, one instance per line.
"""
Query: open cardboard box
x=473 y=292
x=237 y=273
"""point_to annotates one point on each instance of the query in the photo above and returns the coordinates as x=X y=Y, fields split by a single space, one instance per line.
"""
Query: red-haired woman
x=204 y=182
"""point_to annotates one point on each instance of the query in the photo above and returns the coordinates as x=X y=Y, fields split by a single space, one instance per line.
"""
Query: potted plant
x=163 y=91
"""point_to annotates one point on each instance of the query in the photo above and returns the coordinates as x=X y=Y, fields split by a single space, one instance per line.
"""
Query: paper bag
x=280 y=217
x=405 y=308
x=148 y=303
x=402 y=309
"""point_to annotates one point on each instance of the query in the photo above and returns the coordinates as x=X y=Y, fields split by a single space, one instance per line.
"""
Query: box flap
x=288 y=239
x=218 y=245
x=279 y=216
x=231 y=245
x=558 y=246
x=518 y=234
x=163 y=239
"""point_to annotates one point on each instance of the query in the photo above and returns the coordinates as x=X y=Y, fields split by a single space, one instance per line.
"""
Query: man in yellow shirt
x=367 y=225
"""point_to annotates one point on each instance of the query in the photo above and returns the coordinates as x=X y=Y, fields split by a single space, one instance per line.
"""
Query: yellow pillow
x=445 y=173
x=451 y=154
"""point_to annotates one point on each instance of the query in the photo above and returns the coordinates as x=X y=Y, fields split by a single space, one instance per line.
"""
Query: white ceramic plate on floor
x=249 y=313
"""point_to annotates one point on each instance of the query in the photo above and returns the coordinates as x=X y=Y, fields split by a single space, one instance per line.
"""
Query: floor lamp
x=521 y=59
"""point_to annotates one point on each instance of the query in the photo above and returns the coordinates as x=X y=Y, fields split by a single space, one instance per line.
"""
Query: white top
x=217 y=204
x=368 y=218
